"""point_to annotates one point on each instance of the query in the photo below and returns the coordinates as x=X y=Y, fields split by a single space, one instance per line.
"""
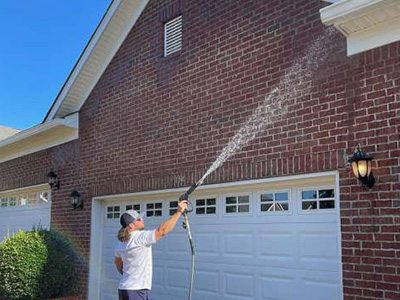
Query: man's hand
x=182 y=206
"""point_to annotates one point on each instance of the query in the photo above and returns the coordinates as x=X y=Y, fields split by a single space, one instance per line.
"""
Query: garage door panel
x=158 y=277
x=319 y=285
x=238 y=244
x=207 y=243
x=239 y=285
x=276 y=287
x=13 y=219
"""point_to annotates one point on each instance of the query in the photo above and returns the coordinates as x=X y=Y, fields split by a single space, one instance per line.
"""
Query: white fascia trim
x=379 y=35
x=343 y=9
x=83 y=59
x=223 y=185
x=71 y=121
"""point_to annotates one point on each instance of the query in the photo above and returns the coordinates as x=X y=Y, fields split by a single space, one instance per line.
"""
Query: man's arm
x=118 y=264
x=168 y=225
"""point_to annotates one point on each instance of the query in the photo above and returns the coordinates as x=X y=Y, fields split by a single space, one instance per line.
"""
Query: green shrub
x=39 y=264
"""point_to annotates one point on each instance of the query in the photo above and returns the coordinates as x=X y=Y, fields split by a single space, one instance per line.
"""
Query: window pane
x=173 y=204
x=158 y=205
x=266 y=206
x=267 y=197
x=116 y=215
x=244 y=208
x=200 y=210
x=285 y=206
x=137 y=207
x=158 y=213
x=211 y=210
x=116 y=208
x=327 y=204
x=109 y=208
x=13 y=201
x=307 y=205
x=4 y=202
x=211 y=201
x=243 y=199
x=149 y=213
x=109 y=216
x=230 y=200
x=326 y=193
x=150 y=205
x=281 y=196
x=230 y=209
x=200 y=202
x=128 y=207
x=309 y=195
x=172 y=211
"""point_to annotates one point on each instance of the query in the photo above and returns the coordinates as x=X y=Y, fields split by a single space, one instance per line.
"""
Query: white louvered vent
x=173 y=36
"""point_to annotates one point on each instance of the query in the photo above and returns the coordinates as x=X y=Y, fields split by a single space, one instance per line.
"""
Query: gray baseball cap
x=128 y=217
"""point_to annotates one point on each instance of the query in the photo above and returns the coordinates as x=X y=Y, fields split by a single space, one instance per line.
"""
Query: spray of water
x=295 y=83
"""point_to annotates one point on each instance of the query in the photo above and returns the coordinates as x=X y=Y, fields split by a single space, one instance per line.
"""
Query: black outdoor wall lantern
x=53 y=180
x=76 y=199
x=362 y=169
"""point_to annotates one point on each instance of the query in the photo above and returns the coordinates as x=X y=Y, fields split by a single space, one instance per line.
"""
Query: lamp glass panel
x=369 y=168
x=355 y=168
x=362 y=168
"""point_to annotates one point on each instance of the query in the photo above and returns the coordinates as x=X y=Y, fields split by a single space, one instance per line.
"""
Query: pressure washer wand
x=186 y=225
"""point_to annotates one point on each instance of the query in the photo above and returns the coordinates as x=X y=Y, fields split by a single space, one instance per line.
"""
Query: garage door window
x=321 y=199
x=25 y=199
x=154 y=209
x=173 y=207
x=134 y=207
x=206 y=206
x=274 y=202
x=237 y=204
x=113 y=212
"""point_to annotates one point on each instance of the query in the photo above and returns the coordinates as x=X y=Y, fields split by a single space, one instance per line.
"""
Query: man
x=133 y=255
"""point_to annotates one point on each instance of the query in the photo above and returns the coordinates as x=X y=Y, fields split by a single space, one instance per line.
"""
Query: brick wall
x=153 y=122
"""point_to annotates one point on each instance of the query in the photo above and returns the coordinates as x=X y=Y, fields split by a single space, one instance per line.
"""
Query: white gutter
x=39 y=129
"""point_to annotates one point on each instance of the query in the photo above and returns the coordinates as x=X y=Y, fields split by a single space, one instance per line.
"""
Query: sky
x=40 y=42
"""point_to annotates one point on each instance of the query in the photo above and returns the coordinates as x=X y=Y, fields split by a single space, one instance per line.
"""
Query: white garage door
x=24 y=209
x=271 y=241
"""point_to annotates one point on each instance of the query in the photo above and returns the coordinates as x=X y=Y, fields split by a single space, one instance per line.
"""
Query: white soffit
x=367 y=24
x=40 y=137
x=119 y=19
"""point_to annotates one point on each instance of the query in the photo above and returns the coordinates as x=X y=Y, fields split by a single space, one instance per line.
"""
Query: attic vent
x=173 y=36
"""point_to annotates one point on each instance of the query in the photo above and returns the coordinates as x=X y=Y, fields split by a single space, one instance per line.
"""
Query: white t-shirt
x=137 y=260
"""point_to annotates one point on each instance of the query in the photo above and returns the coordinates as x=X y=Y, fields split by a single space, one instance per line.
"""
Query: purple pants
x=133 y=295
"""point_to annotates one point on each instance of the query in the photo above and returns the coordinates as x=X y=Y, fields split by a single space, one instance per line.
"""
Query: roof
x=6 y=132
